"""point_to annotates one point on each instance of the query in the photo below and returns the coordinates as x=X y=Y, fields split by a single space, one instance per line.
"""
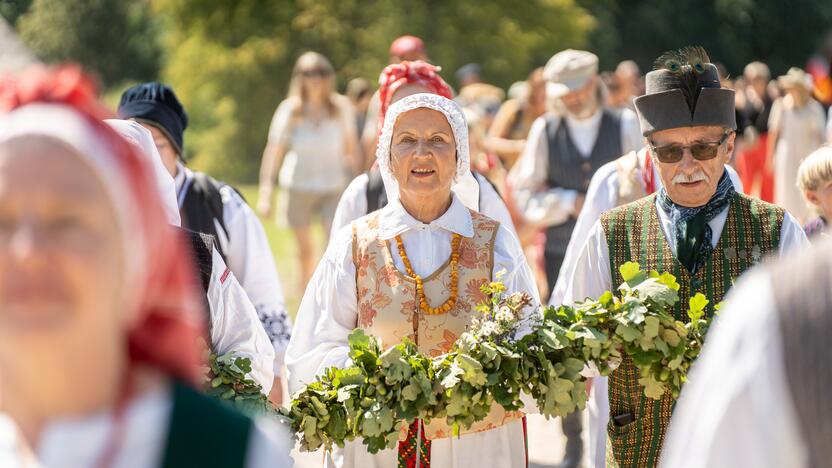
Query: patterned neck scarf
x=691 y=231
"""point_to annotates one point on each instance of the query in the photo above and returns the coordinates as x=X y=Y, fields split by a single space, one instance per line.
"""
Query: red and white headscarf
x=397 y=75
x=60 y=103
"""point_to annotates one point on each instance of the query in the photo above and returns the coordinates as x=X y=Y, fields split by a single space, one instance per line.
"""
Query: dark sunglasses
x=315 y=73
x=700 y=151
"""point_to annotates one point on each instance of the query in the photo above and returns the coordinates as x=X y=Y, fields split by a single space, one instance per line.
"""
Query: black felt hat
x=156 y=104
x=684 y=91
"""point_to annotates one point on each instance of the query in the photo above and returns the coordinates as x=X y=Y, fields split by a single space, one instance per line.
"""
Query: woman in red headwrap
x=366 y=194
x=99 y=321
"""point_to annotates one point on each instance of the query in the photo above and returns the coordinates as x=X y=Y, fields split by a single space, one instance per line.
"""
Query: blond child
x=814 y=179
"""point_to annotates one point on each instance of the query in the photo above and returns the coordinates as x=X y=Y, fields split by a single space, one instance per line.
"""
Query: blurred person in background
x=99 y=331
x=615 y=97
x=359 y=93
x=233 y=324
x=829 y=126
x=405 y=48
x=819 y=67
x=628 y=79
x=507 y=135
x=366 y=192
x=769 y=405
x=474 y=94
x=796 y=128
x=755 y=102
x=312 y=144
x=563 y=151
x=212 y=207
x=814 y=179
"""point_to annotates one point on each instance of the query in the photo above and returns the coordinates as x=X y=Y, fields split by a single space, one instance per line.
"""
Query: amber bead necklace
x=420 y=288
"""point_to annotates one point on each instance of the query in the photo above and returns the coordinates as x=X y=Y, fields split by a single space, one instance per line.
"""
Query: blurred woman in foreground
x=99 y=324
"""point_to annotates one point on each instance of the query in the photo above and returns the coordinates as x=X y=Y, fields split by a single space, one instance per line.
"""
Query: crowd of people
x=115 y=256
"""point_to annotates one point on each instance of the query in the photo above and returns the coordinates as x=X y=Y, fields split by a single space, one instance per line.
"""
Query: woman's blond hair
x=816 y=169
x=317 y=61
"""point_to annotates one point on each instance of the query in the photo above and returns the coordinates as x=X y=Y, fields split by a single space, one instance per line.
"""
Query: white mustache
x=697 y=176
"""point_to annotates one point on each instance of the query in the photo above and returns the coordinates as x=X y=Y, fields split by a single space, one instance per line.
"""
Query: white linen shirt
x=329 y=308
x=235 y=327
x=353 y=204
x=749 y=418
x=544 y=206
x=250 y=259
x=78 y=442
x=591 y=277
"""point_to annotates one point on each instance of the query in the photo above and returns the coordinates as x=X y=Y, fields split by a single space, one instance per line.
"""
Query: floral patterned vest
x=388 y=307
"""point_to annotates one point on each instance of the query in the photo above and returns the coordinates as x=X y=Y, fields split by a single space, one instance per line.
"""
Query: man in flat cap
x=696 y=226
x=563 y=150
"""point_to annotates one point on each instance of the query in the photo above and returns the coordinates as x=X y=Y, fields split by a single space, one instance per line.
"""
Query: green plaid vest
x=634 y=233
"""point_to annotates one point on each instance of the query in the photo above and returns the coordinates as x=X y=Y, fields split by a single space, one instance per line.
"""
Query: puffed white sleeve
x=352 y=204
x=601 y=196
x=250 y=259
x=328 y=313
x=235 y=327
x=737 y=400
x=511 y=264
x=591 y=276
x=631 y=137
x=792 y=236
x=269 y=445
x=492 y=205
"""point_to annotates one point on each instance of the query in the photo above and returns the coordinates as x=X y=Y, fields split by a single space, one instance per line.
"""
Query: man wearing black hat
x=708 y=234
x=213 y=207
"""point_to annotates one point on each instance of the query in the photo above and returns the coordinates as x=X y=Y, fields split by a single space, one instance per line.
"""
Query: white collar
x=589 y=122
x=394 y=220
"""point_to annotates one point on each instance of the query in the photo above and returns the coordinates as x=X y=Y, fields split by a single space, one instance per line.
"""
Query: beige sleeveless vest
x=388 y=307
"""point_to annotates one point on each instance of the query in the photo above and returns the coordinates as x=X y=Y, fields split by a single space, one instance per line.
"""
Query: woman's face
x=423 y=154
x=316 y=78
x=61 y=268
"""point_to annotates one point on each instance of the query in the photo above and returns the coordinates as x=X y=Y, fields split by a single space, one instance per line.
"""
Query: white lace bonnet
x=464 y=186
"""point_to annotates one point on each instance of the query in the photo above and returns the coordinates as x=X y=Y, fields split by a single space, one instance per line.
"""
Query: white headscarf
x=465 y=186
x=143 y=139
x=64 y=124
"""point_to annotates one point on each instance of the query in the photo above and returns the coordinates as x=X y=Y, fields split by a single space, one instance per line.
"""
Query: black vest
x=201 y=254
x=202 y=205
x=569 y=169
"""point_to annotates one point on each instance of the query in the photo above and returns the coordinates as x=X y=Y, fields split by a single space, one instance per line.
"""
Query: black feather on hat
x=684 y=91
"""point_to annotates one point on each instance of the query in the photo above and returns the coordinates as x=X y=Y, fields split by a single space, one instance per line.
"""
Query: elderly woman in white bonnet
x=368 y=278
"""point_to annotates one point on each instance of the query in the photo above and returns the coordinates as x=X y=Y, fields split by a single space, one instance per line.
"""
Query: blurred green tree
x=12 y=9
x=112 y=38
x=230 y=61
x=734 y=32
